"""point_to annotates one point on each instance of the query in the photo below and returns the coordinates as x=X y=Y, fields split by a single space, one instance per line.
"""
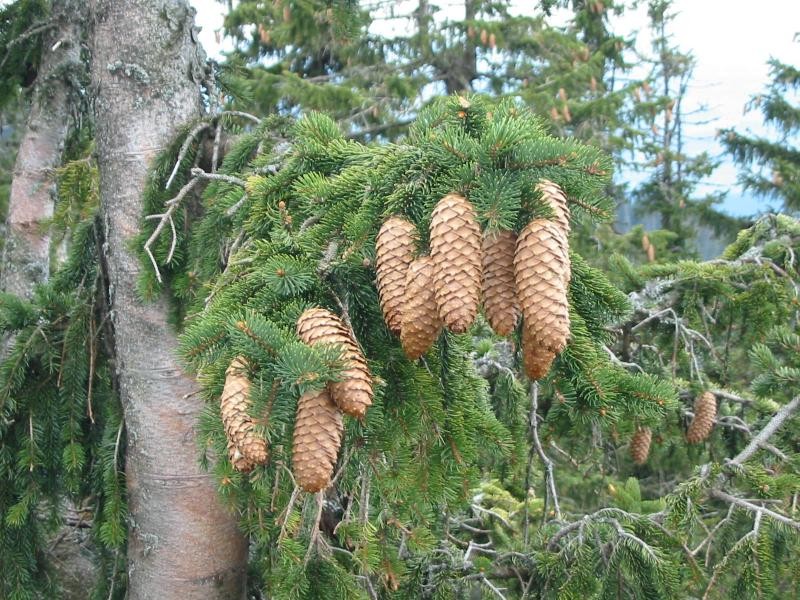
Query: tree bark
x=182 y=543
x=26 y=250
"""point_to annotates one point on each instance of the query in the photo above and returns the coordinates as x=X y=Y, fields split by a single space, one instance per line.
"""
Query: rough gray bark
x=26 y=251
x=182 y=542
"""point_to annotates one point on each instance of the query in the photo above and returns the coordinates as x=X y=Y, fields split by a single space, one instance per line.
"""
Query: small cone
x=640 y=445
x=705 y=411
x=499 y=290
x=456 y=253
x=317 y=436
x=542 y=272
x=421 y=324
x=394 y=250
x=557 y=199
x=239 y=462
x=234 y=404
x=535 y=359
x=353 y=394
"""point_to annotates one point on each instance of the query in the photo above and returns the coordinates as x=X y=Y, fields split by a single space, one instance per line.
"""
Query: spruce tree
x=671 y=191
x=771 y=166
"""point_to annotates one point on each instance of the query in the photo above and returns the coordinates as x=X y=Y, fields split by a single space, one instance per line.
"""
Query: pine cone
x=421 y=324
x=557 y=199
x=535 y=359
x=317 y=437
x=705 y=410
x=239 y=462
x=394 y=249
x=456 y=253
x=640 y=445
x=234 y=404
x=499 y=290
x=542 y=272
x=353 y=394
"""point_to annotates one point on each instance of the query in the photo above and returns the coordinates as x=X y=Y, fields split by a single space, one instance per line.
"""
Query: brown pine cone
x=499 y=290
x=239 y=462
x=353 y=394
x=234 y=404
x=456 y=253
x=394 y=250
x=705 y=411
x=557 y=199
x=535 y=358
x=542 y=272
x=317 y=437
x=421 y=323
x=640 y=445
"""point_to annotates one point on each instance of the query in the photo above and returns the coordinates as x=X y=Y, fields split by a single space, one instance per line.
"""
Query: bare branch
x=239 y=113
x=548 y=464
x=191 y=136
x=198 y=172
x=166 y=217
x=786 y=411
x=725 y=497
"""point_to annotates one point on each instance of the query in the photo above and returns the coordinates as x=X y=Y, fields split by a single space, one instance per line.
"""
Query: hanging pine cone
x=542 y=272
x=421 y=324
x=499 y=290
x=557 y=199
x=234 y=404
x=239 y=462
x=353 y=394
x=317 y=437
x=536 y=359
x=705 y=410
x=640 y=445
x=394 y=250
x=456 y=253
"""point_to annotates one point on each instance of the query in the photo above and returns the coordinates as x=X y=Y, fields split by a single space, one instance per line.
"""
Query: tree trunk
x=26 y=251
x=182 y=543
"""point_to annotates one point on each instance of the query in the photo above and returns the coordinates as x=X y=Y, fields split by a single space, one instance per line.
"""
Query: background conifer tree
x=770 y=167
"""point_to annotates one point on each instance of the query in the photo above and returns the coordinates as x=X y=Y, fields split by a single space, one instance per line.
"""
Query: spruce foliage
x=306 y=230
x=60 y=421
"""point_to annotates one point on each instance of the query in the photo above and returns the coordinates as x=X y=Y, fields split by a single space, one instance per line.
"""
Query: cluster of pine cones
x=527 y=274
x=705 y=411
x=318 y=426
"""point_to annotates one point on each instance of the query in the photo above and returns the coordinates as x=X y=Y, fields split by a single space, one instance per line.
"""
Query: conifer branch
x=215 y=149
x=761 y=510
x=550 y=482
x=786 y=411
x=166 y=217
x=30 y=32
x=200 y=173
x=187 y=143
x=242 y=114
